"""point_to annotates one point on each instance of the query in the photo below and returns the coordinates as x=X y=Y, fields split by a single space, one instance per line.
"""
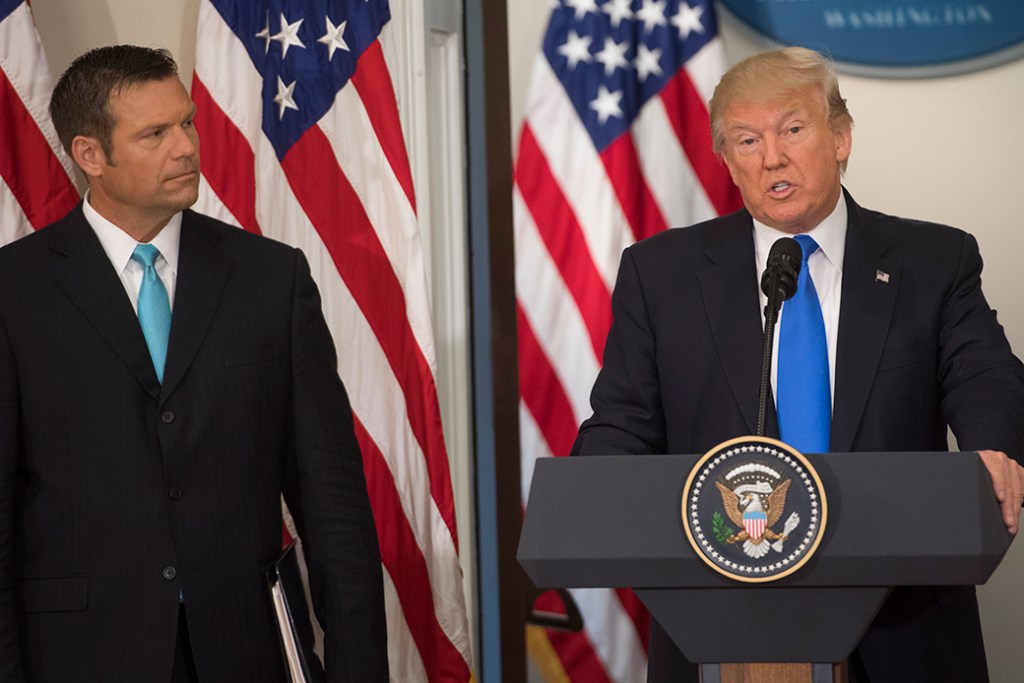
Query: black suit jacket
x=116 y=492
x=918 y=349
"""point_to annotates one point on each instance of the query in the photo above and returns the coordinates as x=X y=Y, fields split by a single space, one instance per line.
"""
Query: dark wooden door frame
x=505 y=593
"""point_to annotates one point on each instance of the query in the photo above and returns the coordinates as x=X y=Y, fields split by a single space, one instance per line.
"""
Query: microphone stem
x=771 y=312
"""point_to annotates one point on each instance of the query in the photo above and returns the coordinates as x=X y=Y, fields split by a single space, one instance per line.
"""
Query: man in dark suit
x=912 y=345
x=140 y=479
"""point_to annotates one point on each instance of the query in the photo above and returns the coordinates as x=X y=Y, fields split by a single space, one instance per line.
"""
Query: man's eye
x=795 y=129
x=747 y=141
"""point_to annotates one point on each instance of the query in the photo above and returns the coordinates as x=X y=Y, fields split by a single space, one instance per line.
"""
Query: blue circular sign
x=896 y=38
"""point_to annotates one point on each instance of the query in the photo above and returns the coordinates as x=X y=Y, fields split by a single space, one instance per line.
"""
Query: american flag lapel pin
x=882 y=276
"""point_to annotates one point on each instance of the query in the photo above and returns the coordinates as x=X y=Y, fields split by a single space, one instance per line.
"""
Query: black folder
x=288 y=597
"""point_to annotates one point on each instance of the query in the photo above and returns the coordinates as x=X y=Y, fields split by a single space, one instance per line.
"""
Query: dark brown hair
x=80 y=104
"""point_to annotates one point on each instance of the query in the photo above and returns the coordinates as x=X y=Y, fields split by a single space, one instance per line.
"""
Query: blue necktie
x=154 y=308
x=804 y=402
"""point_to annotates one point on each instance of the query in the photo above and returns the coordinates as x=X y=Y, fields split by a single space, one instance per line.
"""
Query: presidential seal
x=754 y=509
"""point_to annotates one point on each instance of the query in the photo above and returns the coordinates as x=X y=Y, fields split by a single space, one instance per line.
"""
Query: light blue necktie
x=154 y=307
x=804 y=403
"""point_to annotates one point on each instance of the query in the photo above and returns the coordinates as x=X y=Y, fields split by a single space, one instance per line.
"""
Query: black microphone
x=780 y=275
x=778 y=283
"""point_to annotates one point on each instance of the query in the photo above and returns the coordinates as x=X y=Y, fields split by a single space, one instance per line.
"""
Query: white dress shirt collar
x=119 y=245
x=830 y=235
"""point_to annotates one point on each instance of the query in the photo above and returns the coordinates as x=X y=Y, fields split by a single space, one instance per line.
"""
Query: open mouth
x=780 y=187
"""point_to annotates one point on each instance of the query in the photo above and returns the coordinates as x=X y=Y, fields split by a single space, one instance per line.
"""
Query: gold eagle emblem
x=755 y=508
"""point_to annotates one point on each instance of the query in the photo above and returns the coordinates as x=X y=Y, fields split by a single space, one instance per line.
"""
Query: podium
x=894 y=519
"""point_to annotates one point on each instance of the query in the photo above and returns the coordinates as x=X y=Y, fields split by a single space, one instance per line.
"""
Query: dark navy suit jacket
x=117 y=493
x=918 y=350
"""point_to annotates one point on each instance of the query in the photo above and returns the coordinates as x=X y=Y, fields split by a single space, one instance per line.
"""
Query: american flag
x=301 y=141
x=615 y=147
x=36 y=186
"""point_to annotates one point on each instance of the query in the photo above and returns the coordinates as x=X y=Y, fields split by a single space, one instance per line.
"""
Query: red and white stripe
x=344 y=195
x=575 y=210
x=755 y=526
x=36 y=185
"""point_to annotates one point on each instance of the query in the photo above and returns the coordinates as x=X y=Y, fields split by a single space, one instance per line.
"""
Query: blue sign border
x=893 y=38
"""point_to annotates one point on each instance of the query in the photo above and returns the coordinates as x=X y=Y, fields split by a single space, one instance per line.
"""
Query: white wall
x=949 y=150
x=70 y=27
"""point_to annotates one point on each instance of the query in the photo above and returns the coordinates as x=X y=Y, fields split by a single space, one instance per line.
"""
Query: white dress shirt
x=826 y=269
x=119 y=246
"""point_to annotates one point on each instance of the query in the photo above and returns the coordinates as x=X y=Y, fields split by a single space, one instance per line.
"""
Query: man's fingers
x=1008 y=485
x=1011 y=515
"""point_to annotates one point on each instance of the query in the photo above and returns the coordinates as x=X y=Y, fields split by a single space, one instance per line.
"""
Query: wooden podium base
x=773 y=673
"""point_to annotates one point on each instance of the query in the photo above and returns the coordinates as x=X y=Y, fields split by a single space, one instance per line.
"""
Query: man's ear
x=89 y=155
x=844 y=143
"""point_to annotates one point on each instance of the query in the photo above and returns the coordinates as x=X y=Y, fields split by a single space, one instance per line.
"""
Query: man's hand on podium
x=1008 y=482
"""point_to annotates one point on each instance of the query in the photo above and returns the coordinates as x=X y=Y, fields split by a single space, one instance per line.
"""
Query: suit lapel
x=731 y=303
x=202 y=274
x=89 y=280
x=870 y=284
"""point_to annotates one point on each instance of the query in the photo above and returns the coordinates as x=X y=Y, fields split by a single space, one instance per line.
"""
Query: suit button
x=167 y=417
x=169 y=573
x=174 y=493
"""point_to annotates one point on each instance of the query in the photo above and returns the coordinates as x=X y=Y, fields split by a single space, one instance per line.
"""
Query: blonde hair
x=773 y=76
